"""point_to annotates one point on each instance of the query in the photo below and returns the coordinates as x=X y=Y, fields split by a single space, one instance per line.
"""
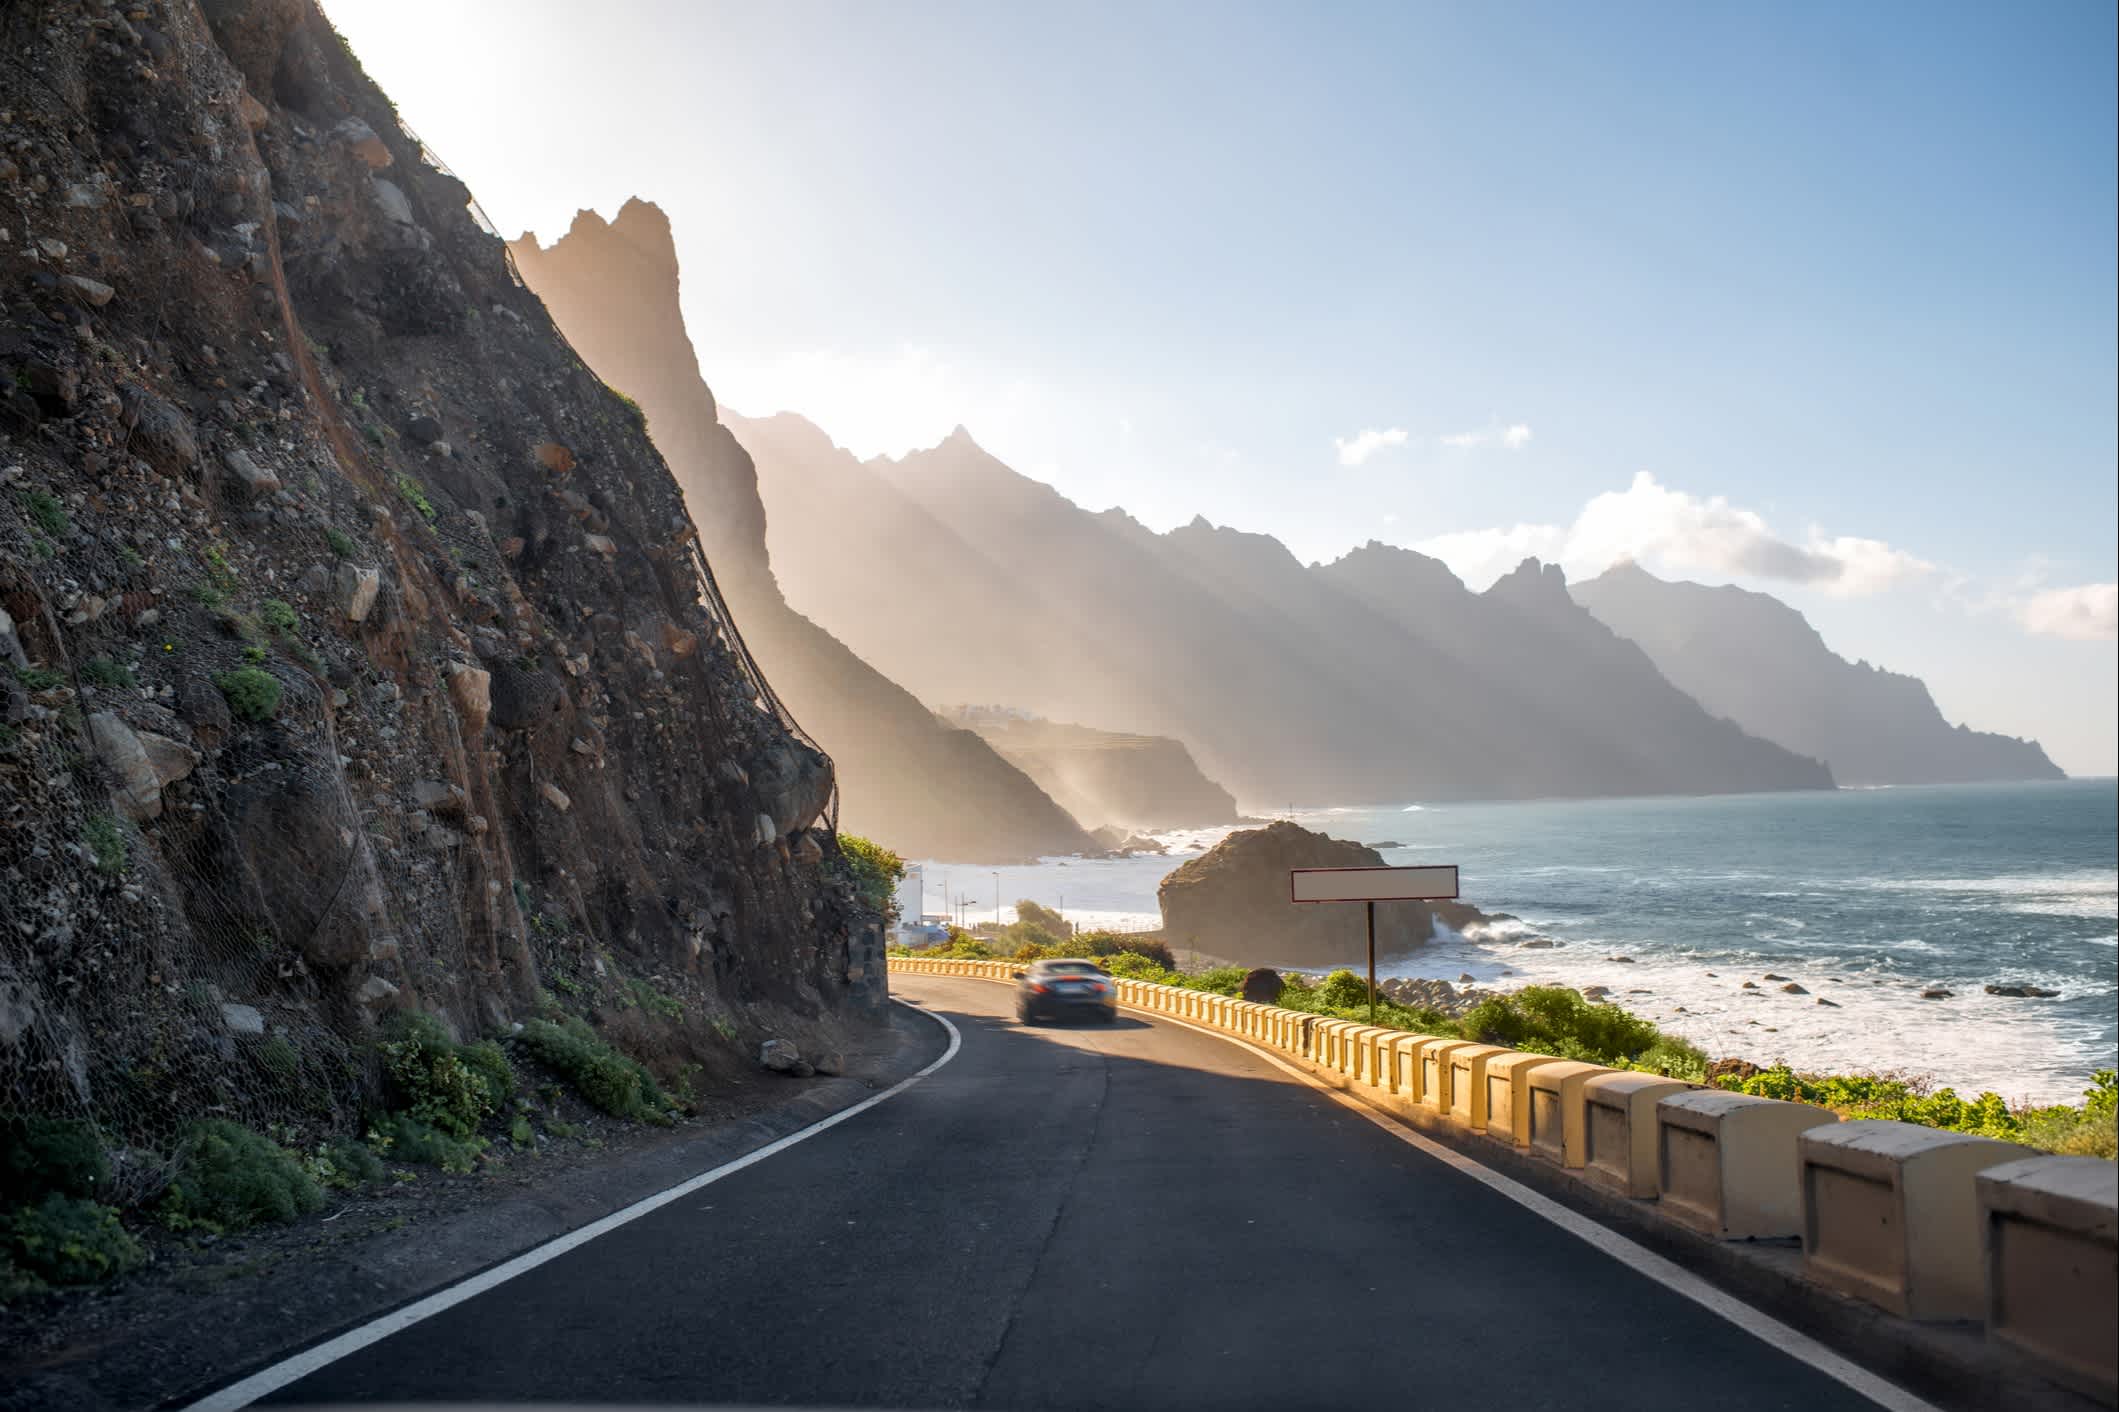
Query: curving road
x=1133 y=1216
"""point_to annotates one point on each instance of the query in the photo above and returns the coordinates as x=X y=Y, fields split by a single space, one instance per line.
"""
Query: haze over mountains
x=1752 y=658
x=1380 y=678
x=927 y=789
x=868 y=588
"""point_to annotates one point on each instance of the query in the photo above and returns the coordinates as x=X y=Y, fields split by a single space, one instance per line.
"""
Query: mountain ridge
x=1283 y=681
x=1763 y=664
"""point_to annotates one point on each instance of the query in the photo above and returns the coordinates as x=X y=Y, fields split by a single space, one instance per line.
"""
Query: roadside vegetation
x=875 y=872
x=437 y=1103
x=1548 y=1019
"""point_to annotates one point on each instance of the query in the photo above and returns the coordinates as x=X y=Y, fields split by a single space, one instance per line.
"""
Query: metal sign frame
x=1375 y=889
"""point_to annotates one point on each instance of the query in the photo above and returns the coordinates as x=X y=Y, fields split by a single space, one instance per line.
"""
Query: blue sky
x=1815 y=299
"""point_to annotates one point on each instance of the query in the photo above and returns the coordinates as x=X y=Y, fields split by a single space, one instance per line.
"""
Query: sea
x=1863 y=897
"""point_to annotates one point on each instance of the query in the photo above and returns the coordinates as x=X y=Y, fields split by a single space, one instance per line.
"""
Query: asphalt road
x=1133 y=1216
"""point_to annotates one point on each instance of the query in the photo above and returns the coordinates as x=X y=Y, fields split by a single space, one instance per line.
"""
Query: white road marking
x=301 y=1365
x=1674 y=1277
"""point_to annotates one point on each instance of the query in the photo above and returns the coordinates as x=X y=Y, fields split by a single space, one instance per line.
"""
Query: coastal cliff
x=358 y=657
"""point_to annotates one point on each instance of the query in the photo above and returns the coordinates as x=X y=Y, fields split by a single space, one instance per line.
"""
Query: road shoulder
x=174 y=1333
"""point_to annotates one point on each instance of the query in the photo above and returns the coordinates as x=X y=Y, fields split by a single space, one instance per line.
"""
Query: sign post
x=1431 y=883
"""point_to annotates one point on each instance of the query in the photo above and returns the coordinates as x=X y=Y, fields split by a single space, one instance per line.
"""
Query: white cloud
x=1513 y=437
x=2087 y=613
x=1683 y=533
x=1366 y=443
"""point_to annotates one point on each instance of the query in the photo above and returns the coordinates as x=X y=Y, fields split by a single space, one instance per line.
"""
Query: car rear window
x=1072 y=968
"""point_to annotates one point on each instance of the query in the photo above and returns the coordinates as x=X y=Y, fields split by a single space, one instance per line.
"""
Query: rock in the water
x=2031 y=992
x=1791 y=988
x=1232 y=902
x=1834 y=1004
x=779 y=1055
x=1769 y=976
x=1936 y=993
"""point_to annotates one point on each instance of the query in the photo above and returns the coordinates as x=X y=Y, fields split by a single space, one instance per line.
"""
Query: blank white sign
x=1425 y=884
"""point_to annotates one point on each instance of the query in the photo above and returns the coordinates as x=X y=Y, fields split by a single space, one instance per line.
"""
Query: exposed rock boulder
x=1232 y=902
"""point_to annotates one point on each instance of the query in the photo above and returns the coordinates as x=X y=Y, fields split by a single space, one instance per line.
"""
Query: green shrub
x=229 y=1178
x=640 y=995
x=402 y=1137
x=1124 y=943
x=101 y=671
x=613 y=1082
x=875 y=872
x=1228 y=980
x=106 y=843
x=279 y=615
x=343 y=1165
x=1132 y=966
x=1552 y=1019
x=69 y=1241
x=446 y=1087
x=341 y=544
x=253 y=695
x=1343 y=990
x=2086 y=1130
x=42 y=1157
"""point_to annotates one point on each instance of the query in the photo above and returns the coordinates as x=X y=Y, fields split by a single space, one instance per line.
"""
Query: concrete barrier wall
x=2051 y=1253
x=1923 y=1223
x=1891 y=1214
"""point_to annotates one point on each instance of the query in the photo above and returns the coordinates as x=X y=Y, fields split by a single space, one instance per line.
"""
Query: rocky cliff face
x=1752 y=658
x=356 y=649
x=910 y=781
x=1231 y=902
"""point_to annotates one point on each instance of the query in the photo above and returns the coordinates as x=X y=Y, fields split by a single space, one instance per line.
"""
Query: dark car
x=1052 y=990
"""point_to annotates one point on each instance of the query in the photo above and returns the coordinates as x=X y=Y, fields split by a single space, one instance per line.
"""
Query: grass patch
x=38 y=678
x=640 y=995
x=103 y=672
x=46 y=511
x=230 y=1178
x=253 y=695
x=415 y=495
x=618 y=1085
x=107 y=844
